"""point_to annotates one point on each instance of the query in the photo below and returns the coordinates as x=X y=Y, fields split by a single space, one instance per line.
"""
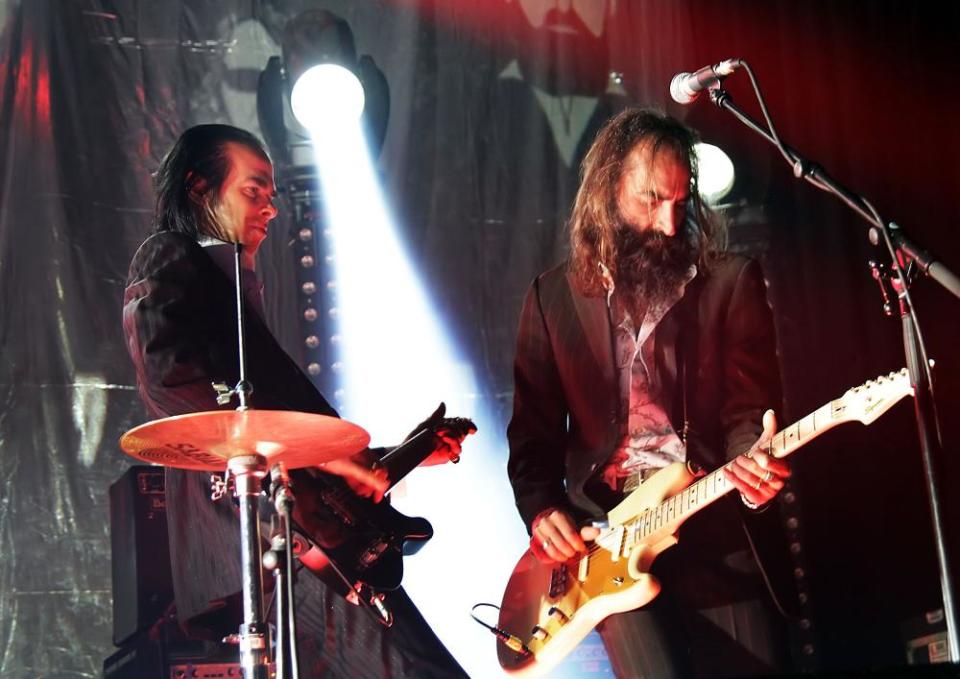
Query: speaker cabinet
x=142 y=585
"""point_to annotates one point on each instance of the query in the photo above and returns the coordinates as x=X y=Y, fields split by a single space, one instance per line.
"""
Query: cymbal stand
x=248 y=471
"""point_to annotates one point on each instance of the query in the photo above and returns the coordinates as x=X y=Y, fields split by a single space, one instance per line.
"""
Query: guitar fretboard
x=669 y=513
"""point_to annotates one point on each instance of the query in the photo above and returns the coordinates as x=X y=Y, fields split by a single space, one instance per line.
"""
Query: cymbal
x=205 y=441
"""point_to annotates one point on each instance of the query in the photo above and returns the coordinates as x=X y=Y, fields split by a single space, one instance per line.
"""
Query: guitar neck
x=407 y=456
x=671 y=512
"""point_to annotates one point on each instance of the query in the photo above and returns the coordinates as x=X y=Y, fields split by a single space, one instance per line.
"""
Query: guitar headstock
x=872 y=398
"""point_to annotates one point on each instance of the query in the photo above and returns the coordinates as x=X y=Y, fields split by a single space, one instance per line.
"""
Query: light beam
x=396 y=363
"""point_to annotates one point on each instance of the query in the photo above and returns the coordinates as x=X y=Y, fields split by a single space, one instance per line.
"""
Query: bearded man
x=649 y=347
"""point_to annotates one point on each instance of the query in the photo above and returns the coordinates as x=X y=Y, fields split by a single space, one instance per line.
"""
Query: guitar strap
x=686 y=349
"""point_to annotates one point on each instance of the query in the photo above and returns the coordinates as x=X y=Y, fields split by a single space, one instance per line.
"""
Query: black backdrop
x=480 y=163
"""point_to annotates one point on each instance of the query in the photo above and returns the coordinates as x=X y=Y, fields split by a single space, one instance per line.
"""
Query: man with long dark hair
x=650 y=347
x=215 y=188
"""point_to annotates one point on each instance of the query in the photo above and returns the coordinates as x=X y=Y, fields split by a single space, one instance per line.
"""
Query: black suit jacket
x=715 y=356
x=179 y=318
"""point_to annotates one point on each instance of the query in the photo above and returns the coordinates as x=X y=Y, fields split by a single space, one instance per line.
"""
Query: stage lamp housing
x=317 y=84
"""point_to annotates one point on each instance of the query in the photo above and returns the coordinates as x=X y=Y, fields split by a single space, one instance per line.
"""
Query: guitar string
x=781 y=446
x=596 y=550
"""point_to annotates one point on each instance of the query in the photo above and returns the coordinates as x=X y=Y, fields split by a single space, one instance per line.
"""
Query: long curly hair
x=596 y=217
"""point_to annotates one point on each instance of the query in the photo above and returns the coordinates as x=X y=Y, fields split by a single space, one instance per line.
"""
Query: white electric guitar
x=548 y=609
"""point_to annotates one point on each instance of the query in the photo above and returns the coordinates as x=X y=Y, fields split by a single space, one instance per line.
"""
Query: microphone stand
x=279 y=559
x=248 y=472
x=902 y=252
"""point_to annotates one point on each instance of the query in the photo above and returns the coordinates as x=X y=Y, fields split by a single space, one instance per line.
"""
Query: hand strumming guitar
x=554 y=536
x=359 y=475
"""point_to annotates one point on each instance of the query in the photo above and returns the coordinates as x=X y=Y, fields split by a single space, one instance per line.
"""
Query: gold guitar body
x=554 y=606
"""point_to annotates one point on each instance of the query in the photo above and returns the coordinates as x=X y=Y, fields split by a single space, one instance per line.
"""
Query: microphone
x=686 y=87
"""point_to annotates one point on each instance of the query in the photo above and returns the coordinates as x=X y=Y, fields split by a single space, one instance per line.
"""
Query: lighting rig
x=314 y=88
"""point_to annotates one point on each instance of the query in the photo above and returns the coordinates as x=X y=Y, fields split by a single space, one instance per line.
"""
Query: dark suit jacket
x=179 y=317
x=715 y=356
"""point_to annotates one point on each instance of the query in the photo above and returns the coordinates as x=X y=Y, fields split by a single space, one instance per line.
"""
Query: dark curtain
x=489 y=119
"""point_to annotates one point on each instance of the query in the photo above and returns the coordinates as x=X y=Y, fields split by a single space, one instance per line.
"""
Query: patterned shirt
x=649 y=441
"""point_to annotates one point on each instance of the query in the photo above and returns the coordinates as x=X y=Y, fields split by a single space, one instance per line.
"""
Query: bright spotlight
x=396 y=361
x=327 y=96
x=716 y=173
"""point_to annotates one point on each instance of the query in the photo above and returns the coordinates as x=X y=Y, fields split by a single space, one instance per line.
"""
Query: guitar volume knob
x=558 y=615
x=539 y=633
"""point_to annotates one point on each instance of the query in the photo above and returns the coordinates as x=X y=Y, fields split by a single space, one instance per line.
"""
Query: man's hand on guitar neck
x=449 y=438
x=448 y=434
x=554 y=536
x=757 y=475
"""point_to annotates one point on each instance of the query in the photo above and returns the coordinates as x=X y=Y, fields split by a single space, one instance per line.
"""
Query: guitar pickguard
x=366 y=540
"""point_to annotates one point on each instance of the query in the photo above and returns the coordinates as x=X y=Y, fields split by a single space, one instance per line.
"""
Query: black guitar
x=344 y=538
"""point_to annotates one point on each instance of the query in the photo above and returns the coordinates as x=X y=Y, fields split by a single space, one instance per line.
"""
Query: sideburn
x=205 y=203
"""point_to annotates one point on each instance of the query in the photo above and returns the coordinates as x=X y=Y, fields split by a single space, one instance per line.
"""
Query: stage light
x=327 y=97
x=312 y=91
x=716 y=172
x=318 y=84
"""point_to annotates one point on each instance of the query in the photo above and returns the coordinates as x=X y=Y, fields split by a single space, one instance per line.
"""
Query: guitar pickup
x=558 y=581
x=372 y=553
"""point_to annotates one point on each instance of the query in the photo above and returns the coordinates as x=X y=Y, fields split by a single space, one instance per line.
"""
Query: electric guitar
x=548 y=609
x=345 y=538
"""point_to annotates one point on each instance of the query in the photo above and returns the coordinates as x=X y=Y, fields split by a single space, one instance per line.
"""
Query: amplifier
x=206 y=671
x=173 y=658
x=926 y=638
x=140 y=553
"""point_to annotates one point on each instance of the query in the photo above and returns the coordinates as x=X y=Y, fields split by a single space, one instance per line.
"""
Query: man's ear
x=197 y=187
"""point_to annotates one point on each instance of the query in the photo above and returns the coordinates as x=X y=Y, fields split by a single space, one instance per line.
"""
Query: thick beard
x=651 y=266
